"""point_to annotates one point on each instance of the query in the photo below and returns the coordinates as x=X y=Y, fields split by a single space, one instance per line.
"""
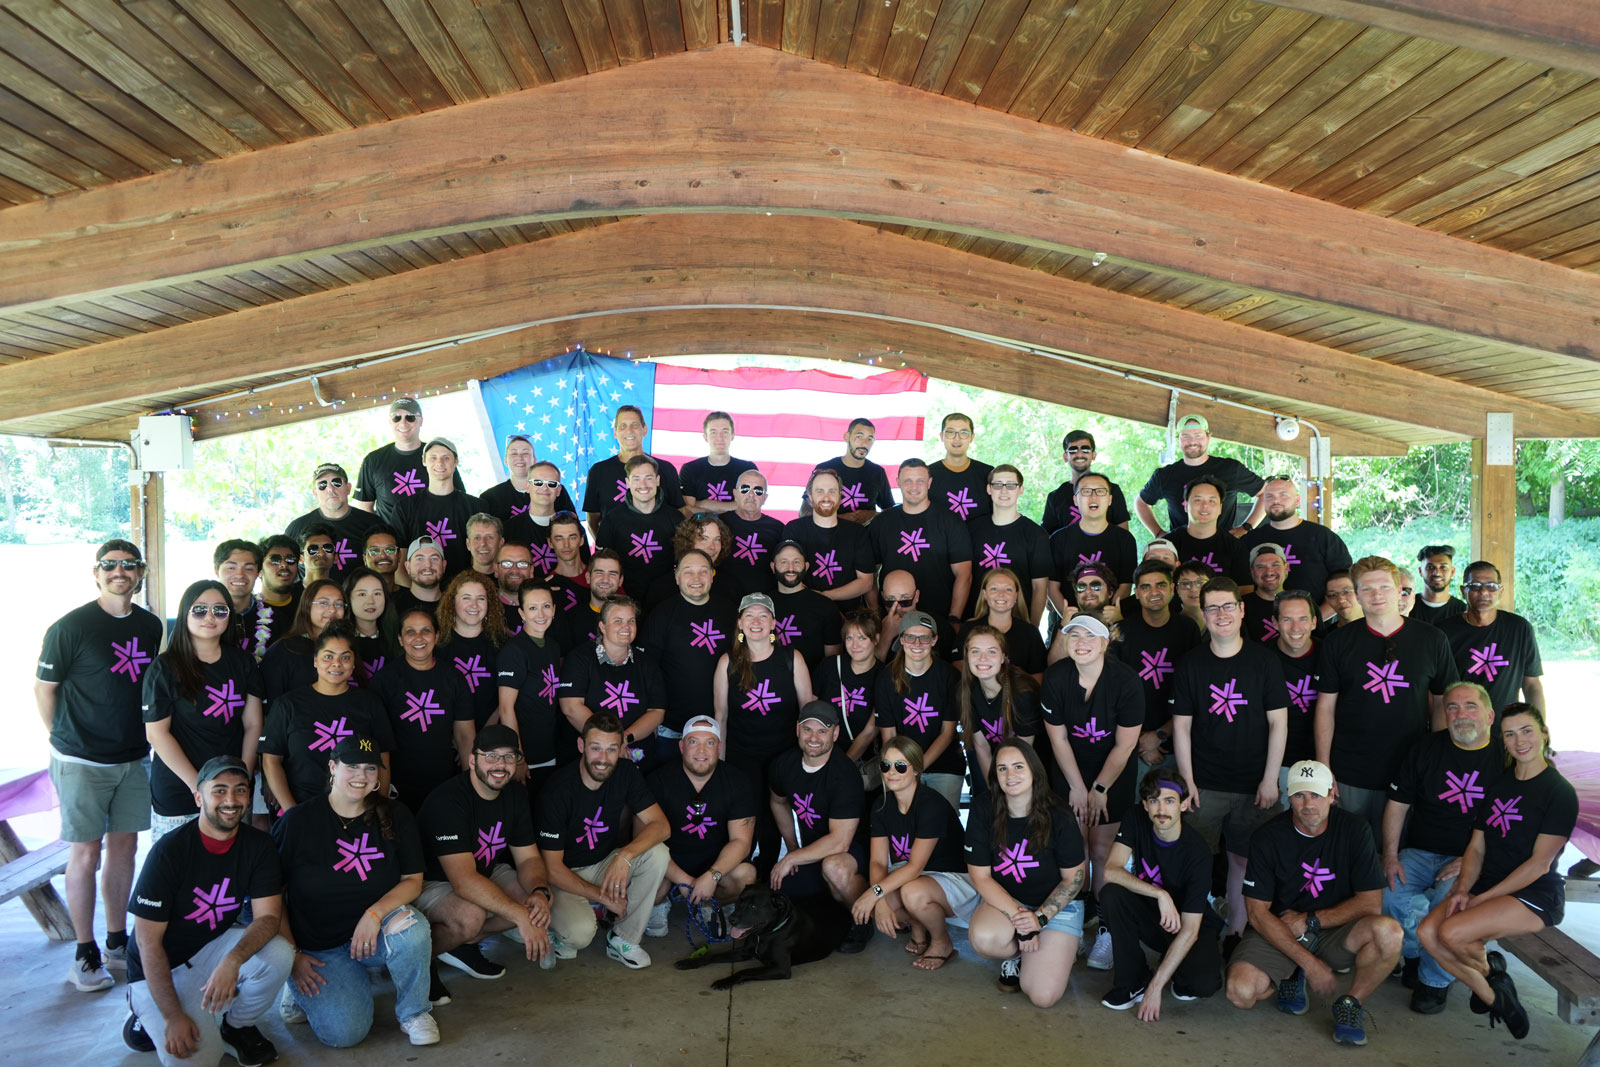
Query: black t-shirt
x=256 y=627
x=1260 y=619
x=990 y=719
x=607 y=486
x=748 y=568
x=97 y=662
x=1059 y=510
x=926 y=545
x=1029 y=870
x=443 y=518
x=1311 y=550
x=627 y=689
x=930 y=818
x=474 y=659
x=1300 y=682
x=1291 y=871
x=1513 y=815
x=855 y=695
x=373 y=654
x=566 y=824
x=456 y=819
x=1181 y=867
x=762 y=717
x=644 y=541
x=1166 y=483
x=1227 y=701
x=1437 y=615
x=700 y=818
x=1024 y=647
x=287 y=665
x=534 y=671
x=211 y=726
x=930 y=700
x=199 y=894
x=1092 y=720
x=832 y=791
x=1383 y=696
x=391 y=480
x=1021 y=547
x=807 y=622
x=571 y=595
x=1072 y=546
x=423 y=708
x=1154 y=653
x=836 y=554
x=305 y=725
x=862 y=488
x=703 y=481
x=1497 y=656
x=510 y=505
x=1444 y=786
x=1222 y=552
x=965 y=493
x=349 y=535
x=691 y=637
x=335 y=869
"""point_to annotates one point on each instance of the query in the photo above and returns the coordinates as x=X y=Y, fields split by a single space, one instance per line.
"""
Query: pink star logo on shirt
x=706 y=635
x=994 y=731
x=804 y=811
x=406 y=483
x=1093 y=557
x=643 y=546
x=1385 y=680
x=1227 y=700
x=440 y=531
x=853 y=498
x=698 y=821
x=920 y=713
x=994 y=556
x=1091 y=732
x=1269 y=629
x=356 y=856
x=1301 y=694
x=1015 y=863
x=593 y=828
x=519 y=509
x=1149 y=872
x=129 y=659
x=544 y=558
x=421 y=709
x=1155 y=668
x=329 y=734
x=473 y=670
x=900 y=847
x=342 y=554
x=749 y=548
x=1289 y=557
x=718 y=491
x=912 y=544
x=1210 y=560
x=850 y=699
x=619 y=697
x=549 y=682
x=1503 y=814
x=1462 y=789
x=786 y=631
x=622 y=492
x=961 y=503
x=225 y=702
x=761 y=698
x=490 y=841
x=1487 y=661
x=1317 y=876
x=826 y=565
x=212 y=905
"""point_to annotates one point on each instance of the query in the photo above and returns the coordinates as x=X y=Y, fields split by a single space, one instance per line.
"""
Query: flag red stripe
x=811 y=427
x=897 y=381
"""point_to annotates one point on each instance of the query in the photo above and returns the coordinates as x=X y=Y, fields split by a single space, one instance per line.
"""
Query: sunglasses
x=330 y=483
x=109 y=565
x=1090 y=587
x=1487 y=587
x=545 y=483
x=383 y=550
x=899 y=766
x=403 y=416
x=758 y=490
x=899 y=602
x=200 y=611
x=283 y=561
x=1079 y=449
x=319 y=550
x=515 y=564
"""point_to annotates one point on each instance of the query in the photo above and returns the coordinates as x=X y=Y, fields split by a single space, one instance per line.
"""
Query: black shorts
x=1547 y=896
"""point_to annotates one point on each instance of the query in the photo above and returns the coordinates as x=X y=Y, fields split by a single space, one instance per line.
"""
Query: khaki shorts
x=99 y=800
x=1259 y=953
x=1230 y=817
x=501 y=874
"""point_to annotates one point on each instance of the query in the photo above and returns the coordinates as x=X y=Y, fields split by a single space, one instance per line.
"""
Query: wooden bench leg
x=44 y=903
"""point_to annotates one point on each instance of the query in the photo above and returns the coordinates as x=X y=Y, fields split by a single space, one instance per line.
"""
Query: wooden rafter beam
x=754 y=331
x=1556 y=33
x=710 y=131
x=669 y=261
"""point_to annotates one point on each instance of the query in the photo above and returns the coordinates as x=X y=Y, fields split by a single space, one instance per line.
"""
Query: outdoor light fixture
x=1288 y=427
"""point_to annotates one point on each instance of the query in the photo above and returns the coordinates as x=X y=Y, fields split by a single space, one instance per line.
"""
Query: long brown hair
x=1011 y=679
x=981 y=609
x=1520 y=708
x=1040 y=804
x=494 y=616
x=180 y=654
x=301 y=626
x=741 y=665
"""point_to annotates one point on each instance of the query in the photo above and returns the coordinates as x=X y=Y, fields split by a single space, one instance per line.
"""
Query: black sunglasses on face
x=200 y=611
x=109 y=565
x=324 y=484
x=899 y=766
x=406 y=415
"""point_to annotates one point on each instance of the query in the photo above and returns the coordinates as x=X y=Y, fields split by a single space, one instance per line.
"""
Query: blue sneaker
x=1347 y=1028
x=1292 y=994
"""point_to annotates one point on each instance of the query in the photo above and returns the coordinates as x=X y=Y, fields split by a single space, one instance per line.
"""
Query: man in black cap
x=484 y=873
x=330 y=486
x=190 y=958
x=425 y=567
x=443 y=510
x=391 y=476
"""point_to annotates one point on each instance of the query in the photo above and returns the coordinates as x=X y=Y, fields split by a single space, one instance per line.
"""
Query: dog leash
x=705 y=917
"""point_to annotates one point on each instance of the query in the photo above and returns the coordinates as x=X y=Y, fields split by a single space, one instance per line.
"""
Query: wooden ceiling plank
x=423 y=31
x=193 y=306
x=1114 y=73
x=436 y=249
x=115 y=318
x=836 y=27
x=665 y=21
x=1366 y=118
x=243 y=291
x=374 y=24
x=338 y=268
x=1522 y=199
x=945 y=41
x=462 y=23
x=800 y=20
x=1055 y=64
x=764 y=22
x=314 y=274
x=629 y=32
x=335 y=34
x=260 y=279
x=992 y=27
x=289 y=280
x=386 y=262
x=1035 y=32
x=46 y=128
x=587 y=18
x=1558 y=243
x=519 y=46
x=903 y=51
x=213 y=295
x=1562 y=226
x=36 y=178
x=143 y=306
x=557 y=43
x=487 y=240
x=365 y=264
x=80 y=316
x=413 y=253
x=49 y=159
x=700 y=19
x=1586 y=258
x=75 y=113
x=25 y=349
x=56 y=332
x=239 y=35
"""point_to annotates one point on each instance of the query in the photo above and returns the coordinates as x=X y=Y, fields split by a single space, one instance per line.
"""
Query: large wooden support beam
x=752 y=129
x=669 y=261
x=1556 y=33
x=755 y=331
x=1494 y=515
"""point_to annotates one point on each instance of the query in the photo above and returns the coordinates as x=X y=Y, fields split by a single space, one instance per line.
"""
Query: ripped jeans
x=340 y=1013
x=1410 y=904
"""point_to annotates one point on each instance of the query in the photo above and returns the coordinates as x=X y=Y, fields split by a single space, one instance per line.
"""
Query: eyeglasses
x=200 y=611
x=491 y=760
x=545 y=483
x=1090 y=587
x=327 y=483
x=515 y=564
x=899 y=766
x=1192 y=583
x=383 y=550
x=916 y=639
x=1486 y=587
x=1230 y=608
x=1094 y=491
x=403 y=415
x=285 y=561
x=899 y=602
x=109 y=565
x=1079 y=449
x=1005 y=487
x=958 y=433
x=325 y=604
x=319 y=550
x=758 y=490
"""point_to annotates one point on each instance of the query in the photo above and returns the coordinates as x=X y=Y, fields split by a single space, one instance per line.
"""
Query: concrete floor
x=868 y=1008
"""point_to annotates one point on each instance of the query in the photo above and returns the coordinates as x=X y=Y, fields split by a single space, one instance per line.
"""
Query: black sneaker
x=1497 y=964
x=134 y=1037
x=438 y=995
x=857 y=938
x=1429 y=999
x=1507 y=1005
x=469 y=958
x=1010 y=980
x=247 y=1045
x=1409 y=973
x=1121 y=999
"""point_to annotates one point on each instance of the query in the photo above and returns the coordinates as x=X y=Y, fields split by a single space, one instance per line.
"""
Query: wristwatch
x=877 y=890
x=1313 y=924
x=1098 y=788
x=543 y=889
x=1043 y=922
x=716 y=875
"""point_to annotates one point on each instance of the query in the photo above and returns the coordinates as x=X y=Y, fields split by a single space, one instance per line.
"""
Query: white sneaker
x=421 y=1029
x=559 y=949
x=91 y=979
x=114 y=959
x=628 y=954
x=288 y=1010
x=1100 y=955
x=660 y=920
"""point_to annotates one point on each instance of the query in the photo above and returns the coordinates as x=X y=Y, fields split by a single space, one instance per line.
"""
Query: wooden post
x=1494 y=504
x=150 y=527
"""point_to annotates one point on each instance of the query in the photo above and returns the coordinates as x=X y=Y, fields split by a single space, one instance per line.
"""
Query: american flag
x=786 y=422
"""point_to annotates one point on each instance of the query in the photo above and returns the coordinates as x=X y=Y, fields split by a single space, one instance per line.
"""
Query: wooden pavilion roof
x=1383 y=217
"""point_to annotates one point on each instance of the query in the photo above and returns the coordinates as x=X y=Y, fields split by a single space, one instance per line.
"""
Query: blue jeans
x=1412 y=902
x=340 y=1013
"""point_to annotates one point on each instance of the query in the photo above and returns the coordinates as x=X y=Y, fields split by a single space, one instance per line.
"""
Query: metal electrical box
x=164 y=443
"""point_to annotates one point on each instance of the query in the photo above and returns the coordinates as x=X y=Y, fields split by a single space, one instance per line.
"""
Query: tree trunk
x=1558 y=502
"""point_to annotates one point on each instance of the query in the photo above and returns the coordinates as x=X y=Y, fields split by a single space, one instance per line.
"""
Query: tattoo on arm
x=1064 y=893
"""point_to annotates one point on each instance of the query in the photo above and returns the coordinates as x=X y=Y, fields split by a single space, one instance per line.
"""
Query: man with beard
x=607 y=486
x=513 y=565
x=1296 y=621
x=425 y=565
x=1495 y=648
x=280 y=582
x=1203 y=539
x=1429 y=821
x=863 y=485
x=516 y=501
x=1093 y=585
x=485 y=535
x=641 y=529
x=708 y=482
x=755 y=537
x=803 y=619
x=929 y=542
x=1155 y=638
x=839 y=554
x=89 y=691
x=443 y=510
x=316 y=548
x=710 y=852
x=1311 y=549
x=1061 y=506
x=1269 y=573
x=484 y=873
x=330 y=485
x=191 y=959
x=605 y=582
x=381 y=553
x=690 y=632
x=1167 y=483
x=1092 y=539
x=603 y=858
x=817 y=801
x=391 y=476
x=1435 y=605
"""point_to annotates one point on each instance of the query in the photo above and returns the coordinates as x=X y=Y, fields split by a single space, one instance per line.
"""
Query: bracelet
x=375 y=915
x=1028 y=936
x=624 y=857
x=543 y=889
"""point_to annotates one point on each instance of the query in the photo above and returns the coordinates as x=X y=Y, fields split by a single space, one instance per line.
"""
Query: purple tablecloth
x=28 y=794
x=1582 y=769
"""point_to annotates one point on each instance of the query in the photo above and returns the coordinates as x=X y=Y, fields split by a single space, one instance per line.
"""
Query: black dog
x=779 y=932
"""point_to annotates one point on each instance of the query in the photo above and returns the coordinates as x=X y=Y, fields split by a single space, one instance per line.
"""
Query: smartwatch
x=877 y=890
x=716 y=875
x=1102 y=790
x=1043 y=922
